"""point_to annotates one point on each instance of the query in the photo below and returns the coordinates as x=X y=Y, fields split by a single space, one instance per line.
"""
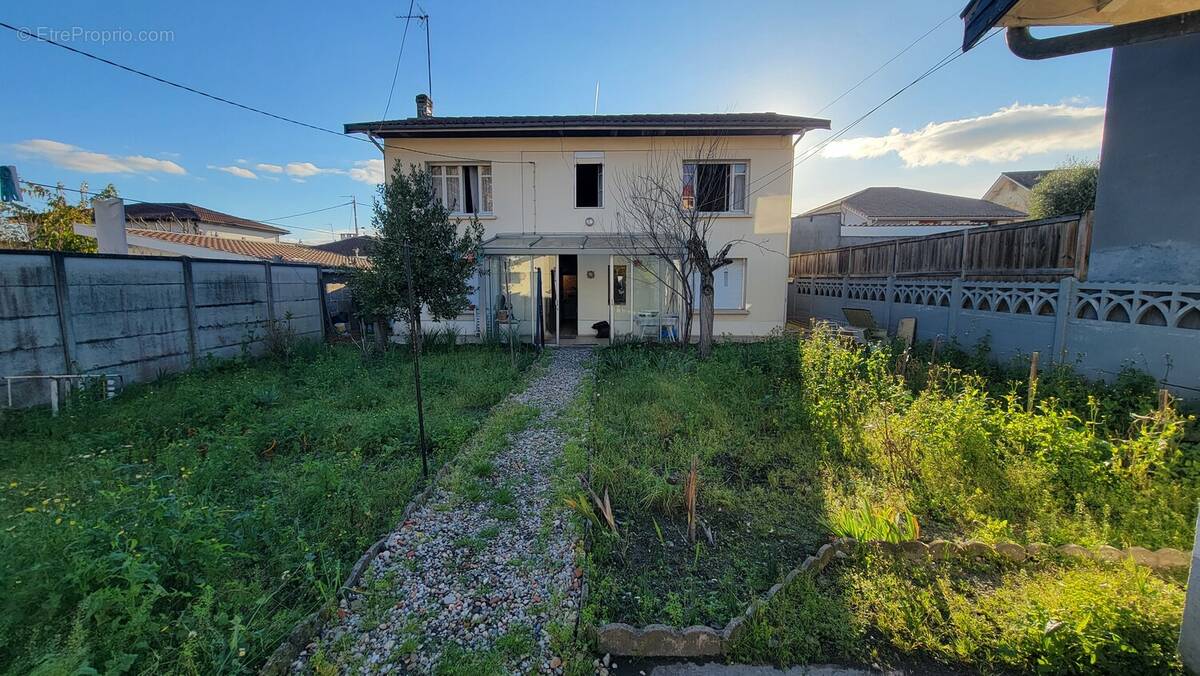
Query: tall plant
x=419 y=265
x=1069 y=189
x=54 y=227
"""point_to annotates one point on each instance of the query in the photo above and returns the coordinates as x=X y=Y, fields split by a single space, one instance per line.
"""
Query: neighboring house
x=873 y=214
x=1013 y=188
x=547 y=190
x=352 y=245
x=194 y=220
x=162 y=243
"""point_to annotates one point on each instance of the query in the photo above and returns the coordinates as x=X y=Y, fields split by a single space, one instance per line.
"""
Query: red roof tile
x=293 y=253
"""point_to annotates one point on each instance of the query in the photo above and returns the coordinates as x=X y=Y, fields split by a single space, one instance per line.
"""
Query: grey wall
x=1147 y=203
x=813 y=233
x=130 y=315
x=1097 y=327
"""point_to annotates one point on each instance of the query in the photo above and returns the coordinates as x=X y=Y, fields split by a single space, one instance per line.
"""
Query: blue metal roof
x=980 y=16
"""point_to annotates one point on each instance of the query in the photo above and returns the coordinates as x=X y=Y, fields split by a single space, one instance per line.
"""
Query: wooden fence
x=1043 y=250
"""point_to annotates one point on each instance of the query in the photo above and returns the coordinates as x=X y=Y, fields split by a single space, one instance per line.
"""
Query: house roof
x=906 y=203
x=183 y=211
x=293 y=253
x=348 y=245
x=979 y=16
x=690 y=124
x=1026 y=179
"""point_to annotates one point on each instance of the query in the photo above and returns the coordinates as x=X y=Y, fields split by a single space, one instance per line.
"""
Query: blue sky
x=70 y=119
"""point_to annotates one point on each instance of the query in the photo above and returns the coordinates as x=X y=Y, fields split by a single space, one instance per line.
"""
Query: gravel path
x=457 y=582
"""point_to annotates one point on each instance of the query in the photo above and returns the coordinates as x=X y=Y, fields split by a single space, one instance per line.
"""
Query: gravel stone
x=455 y=573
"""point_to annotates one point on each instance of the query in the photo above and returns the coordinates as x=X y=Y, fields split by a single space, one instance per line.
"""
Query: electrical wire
x=399 y=55
x=773 y=175
x=885 y=64
x=131 y=199
x=221 y=99
x=305 y=213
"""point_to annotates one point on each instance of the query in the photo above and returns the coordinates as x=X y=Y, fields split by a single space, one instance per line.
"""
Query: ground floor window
x=729 y=286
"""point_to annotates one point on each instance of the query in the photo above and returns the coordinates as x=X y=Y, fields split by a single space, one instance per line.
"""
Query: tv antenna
x=423 y=17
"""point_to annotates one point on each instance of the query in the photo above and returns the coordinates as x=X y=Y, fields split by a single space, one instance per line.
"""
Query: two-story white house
x=546 y=189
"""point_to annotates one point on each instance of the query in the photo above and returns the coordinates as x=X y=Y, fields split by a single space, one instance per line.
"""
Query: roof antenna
x=423 y=17
x=596 y=105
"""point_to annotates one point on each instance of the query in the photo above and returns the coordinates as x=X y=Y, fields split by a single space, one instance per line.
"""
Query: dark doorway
x=569 y=303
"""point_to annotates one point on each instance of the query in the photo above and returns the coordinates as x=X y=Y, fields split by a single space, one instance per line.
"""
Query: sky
x=70 y=119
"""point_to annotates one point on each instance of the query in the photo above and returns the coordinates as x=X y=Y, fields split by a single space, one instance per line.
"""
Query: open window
x=715 y=187
x=463 y=188
x=589 y=186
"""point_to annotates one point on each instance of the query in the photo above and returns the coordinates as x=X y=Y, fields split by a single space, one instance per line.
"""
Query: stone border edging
x=660 y=640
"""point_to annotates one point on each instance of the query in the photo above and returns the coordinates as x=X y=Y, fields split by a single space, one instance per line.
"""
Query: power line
x=885 y=64
x=177 y=85
x=221 y=99
x=772 y=175
x=399 y=55
x=305 y=213
x=131 y=199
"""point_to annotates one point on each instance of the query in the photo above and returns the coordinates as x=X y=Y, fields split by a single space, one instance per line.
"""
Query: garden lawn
x=798 y=441
x=187 y=525
x=654 y=409
x=969 y=616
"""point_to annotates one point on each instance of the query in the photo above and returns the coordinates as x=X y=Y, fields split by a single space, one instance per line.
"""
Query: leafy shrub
x=867 y=523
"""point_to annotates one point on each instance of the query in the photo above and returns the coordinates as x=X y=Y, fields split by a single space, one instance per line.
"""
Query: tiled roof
x=293 y=253
x=182 y=211
x=890 y=203
x=347 y=246
x=593 y=125
x=1027 y=179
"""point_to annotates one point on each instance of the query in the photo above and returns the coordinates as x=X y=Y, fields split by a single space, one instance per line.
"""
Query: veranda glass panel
x=620 y=288
x=514 y=306
x=647 y=298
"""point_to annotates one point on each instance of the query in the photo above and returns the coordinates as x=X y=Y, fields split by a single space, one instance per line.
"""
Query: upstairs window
x=588 y=183
x=715 y=187
x=463 y=188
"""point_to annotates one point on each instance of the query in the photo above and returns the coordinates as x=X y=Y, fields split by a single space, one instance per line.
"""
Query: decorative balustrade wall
x=1097 y=327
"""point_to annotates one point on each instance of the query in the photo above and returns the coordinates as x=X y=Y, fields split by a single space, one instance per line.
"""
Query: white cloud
x=272 y=168
x=306 y=169
x=67 y=156
x=236 y=171
x=368 y=171
x=1006 y=135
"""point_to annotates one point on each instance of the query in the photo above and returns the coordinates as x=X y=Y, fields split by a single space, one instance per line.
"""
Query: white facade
x=523 y=189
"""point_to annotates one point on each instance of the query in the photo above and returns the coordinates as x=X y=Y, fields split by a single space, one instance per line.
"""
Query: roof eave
x=516 y=131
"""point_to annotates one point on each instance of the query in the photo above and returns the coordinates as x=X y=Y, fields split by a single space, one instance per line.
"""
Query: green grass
x=187 y=525
x=1048 y=616
x=796 y=439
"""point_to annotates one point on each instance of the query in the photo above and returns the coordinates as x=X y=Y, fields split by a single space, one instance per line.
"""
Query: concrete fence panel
x=139 y=316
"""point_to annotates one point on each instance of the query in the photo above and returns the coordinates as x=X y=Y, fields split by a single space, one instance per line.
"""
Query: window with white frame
x=463 y=188
x=715 y=187
x=729 y=286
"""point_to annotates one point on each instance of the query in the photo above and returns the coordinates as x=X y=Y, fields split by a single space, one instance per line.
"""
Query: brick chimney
x=424 y=106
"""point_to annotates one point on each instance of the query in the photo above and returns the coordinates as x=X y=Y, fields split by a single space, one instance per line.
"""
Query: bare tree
x=667 y=210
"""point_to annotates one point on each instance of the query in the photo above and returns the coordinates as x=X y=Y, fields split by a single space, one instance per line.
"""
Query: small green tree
x=419 y=263
x=53 y=228
x=1070 y=189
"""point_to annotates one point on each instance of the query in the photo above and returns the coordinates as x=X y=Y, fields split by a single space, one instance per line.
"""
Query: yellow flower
x=58 y=521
